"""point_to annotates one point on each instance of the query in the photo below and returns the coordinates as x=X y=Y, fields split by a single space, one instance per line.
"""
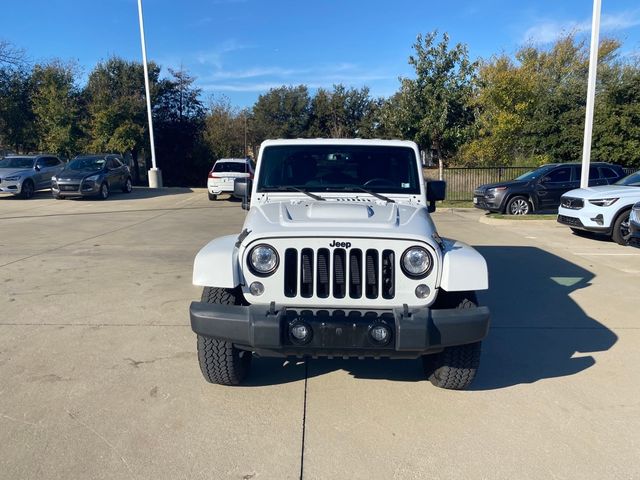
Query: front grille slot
x=371 y=274
x=355 y=273
x=306 y=273
x=339 y=273
x=322 y=277
x=388 y=274
x=290 y=272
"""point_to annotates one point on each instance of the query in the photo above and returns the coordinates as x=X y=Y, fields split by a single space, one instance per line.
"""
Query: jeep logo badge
x=340 y=244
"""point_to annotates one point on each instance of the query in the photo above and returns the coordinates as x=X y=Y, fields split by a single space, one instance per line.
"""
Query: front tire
x=128 y=186
x=212 y=197
x=621 y=231
x=519 y=205
x=220 y=361
x=28 y=189
x=455 y=367
x=104 y=191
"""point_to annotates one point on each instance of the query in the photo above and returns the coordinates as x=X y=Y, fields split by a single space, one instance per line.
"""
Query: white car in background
x=224 y=173
x=602 y=209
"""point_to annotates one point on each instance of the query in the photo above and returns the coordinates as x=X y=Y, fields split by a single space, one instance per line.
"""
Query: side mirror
x=242 y=190
x=36 y=168
x=544 y=179
x=436 y=191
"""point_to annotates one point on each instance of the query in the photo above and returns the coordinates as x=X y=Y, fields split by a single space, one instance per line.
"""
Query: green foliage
x=16 y=115
x=433 y=108
x=341 y=113
x=54 y=100
x=282 y=112
x=224 y=131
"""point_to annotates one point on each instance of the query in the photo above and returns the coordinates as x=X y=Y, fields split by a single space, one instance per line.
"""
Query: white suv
x=224 y=173
x=603 y=209
x=339 y=257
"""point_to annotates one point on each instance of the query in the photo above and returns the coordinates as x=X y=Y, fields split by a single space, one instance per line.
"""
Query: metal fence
x=462 y=181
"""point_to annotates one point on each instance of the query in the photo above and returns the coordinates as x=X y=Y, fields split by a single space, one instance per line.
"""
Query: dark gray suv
x=92 y=176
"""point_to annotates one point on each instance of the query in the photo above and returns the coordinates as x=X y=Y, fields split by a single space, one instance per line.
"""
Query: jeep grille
x=339 y=273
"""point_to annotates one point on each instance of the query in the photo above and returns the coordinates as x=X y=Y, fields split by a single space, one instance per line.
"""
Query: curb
x=499 y=221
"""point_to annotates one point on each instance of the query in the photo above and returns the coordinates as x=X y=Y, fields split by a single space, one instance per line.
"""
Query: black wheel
x=519 y=205
x=621 y=231
x=220 y=361
x=104 y=191
x=128 y=186
x=213 y=197
x=28 y=189
x=455 y=367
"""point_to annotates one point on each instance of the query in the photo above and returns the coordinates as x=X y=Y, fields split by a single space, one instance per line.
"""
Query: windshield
x=17 y=162
x=532 y=175
x=632 y=180
x=235 y=167
x=93 y=163
x=328 y=168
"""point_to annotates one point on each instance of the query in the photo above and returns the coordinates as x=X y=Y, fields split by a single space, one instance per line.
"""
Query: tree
x=434 y=107
x=115 y=97
x=281 y=113
x=178 y=122
x=54 y=100
x=10 y=56
x=341 y=113
x=16 y=114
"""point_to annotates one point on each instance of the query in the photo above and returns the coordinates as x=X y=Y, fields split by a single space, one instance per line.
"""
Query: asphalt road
x=99 y=376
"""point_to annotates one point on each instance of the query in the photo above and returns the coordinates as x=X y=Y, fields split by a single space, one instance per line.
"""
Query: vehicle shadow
x=537 y=330
x=141 y=193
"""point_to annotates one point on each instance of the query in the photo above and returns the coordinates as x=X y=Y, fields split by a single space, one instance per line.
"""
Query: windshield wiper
x=292 y=189
x=362 y=189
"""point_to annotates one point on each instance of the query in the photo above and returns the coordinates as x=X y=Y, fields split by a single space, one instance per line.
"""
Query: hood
x=10 y=172
x=77 y=174
x=512 y=183
x=604 y=191
x=342 y=218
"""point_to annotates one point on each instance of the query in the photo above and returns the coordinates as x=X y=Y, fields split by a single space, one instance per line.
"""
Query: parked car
x=224 y=173
x=634 y=226
x=602 y=209
x=25 y=174
x=541 y=189
x=92 y=176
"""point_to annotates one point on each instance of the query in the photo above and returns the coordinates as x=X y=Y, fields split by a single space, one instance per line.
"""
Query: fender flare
x=463 y=268
x=216 y=264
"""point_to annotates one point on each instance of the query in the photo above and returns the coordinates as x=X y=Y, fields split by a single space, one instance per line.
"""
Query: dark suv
x=541 y=189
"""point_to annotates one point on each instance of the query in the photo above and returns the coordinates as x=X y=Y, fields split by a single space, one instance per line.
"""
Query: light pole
x=154 y=174
x=591 y=93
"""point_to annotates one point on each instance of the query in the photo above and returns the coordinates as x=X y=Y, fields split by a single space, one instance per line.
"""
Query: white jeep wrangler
x=339 y=257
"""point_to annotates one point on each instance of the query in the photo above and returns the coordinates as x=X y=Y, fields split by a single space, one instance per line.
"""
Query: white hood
x=341 y=218
x=605 y=191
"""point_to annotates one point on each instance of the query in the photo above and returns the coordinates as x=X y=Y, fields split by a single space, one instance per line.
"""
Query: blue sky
x=241 y=48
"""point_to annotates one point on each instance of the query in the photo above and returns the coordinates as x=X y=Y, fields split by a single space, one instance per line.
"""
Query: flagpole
x=591 y=93
x=154 y=174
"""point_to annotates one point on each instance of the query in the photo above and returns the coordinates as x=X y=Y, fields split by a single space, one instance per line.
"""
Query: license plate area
x=338 y=329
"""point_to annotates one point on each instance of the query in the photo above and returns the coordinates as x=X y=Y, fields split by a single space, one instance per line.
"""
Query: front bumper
x=11 y=187
x=634 y=239
x=483 y=202
x=585 y=219
x=75 y=189
x=340 y=333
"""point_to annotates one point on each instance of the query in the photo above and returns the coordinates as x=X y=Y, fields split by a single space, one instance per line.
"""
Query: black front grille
x=571 y=221
x=339 y=273
x=69 y=188
x=572 y=203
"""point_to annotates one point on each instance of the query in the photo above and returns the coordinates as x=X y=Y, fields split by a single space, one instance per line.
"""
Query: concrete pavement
x=99 y=377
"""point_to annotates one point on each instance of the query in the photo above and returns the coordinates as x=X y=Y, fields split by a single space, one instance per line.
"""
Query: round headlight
x=416 y=262
x=263 y=259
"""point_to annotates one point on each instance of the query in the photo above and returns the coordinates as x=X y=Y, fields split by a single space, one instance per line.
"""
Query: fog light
x=380 y=333
x=300 y=332
x=422 y=291
x=256 y=289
